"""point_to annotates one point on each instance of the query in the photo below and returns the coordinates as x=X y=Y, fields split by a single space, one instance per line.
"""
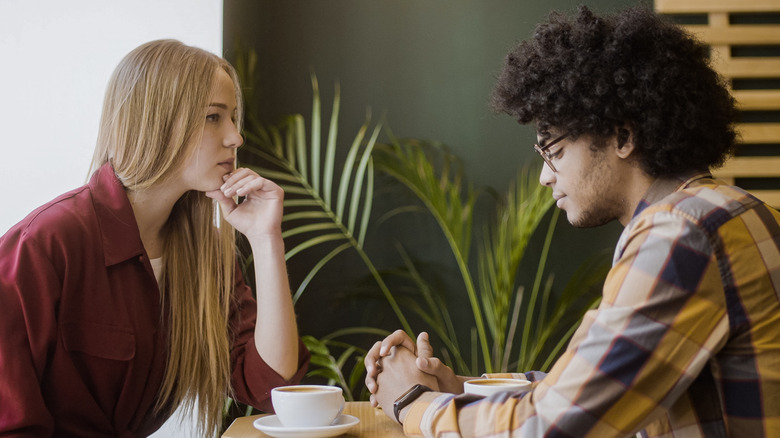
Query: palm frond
x=502 y=251
x=407 y=162
x=283 y=154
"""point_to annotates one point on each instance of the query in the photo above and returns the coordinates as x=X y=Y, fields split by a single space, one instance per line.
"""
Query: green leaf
x=316 y=269
x=309 y=228
x=349 y=163
x=315 y=137
x=330 y=151
x=359 y=175
x=314 y=241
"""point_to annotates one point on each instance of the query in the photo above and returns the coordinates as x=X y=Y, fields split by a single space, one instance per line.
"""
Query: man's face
x=587 y=181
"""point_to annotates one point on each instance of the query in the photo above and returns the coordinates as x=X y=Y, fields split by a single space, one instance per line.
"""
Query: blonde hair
x=153 y=116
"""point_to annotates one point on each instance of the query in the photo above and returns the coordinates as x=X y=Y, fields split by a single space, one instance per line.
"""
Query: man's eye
x=555 y=154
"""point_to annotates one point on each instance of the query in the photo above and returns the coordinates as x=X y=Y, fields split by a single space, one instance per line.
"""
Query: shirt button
x=141 y=259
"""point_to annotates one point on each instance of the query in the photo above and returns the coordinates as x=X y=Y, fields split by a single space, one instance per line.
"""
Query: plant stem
x=537 y=283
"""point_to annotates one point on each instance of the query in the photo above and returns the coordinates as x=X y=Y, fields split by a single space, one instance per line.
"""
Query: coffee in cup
x=307 y=405
x=488 y=387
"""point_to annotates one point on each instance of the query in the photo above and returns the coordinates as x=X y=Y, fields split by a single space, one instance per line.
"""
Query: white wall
x=55 y=59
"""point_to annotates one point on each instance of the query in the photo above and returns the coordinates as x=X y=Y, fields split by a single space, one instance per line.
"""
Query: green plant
x=350 y=358
x=314 y=210
x=323 y=208
x=496 y=301
x=511 y=329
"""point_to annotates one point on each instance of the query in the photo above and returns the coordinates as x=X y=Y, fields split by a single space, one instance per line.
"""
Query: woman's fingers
x=226 y=203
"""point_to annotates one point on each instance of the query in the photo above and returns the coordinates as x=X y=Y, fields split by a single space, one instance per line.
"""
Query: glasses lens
x=543 y=154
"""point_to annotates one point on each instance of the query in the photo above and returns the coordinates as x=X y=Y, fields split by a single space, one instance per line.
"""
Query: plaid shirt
x=686 y=341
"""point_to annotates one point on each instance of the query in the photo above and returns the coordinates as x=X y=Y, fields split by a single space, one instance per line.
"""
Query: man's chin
x=587 y=221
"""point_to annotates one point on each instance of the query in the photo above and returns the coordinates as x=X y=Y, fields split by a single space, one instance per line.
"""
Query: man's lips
x=558 y=197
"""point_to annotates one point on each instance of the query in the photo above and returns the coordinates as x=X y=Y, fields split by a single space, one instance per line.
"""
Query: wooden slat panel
x=758 y=35
x=757 y=99
x=698 y=6
x=751 y=167
x=759 y=132
x=721 y=36
x=771 y=197
x=748 y=68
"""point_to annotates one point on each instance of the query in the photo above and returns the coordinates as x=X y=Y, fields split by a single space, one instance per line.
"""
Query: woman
x=122 y=299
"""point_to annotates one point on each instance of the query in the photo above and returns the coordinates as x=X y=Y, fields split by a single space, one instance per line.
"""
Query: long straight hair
x=153 y=118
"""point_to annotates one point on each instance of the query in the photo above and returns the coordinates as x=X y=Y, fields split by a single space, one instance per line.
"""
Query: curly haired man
x=630 y=118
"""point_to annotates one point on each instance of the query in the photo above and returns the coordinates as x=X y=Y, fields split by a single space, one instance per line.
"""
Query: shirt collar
x=118 y=228
x=662 y=187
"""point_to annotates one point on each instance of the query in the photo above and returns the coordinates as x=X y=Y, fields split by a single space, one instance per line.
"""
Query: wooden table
x=373 y=423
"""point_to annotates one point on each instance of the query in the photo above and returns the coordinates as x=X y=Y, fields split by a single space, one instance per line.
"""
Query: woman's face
x=216 y=154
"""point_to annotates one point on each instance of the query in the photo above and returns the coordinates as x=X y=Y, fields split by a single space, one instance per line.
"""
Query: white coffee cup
x=307 y=405
x=488 y=387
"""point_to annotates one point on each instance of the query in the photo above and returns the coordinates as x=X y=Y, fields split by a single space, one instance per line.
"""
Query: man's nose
x=547 y=176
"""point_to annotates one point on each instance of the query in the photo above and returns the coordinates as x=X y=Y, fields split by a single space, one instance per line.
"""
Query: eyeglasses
x=546 y=155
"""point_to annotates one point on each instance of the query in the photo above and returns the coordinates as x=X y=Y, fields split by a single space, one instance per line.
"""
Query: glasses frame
x=546 y=155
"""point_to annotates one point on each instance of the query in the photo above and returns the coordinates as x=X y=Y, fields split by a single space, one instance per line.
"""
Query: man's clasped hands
x=397 y=363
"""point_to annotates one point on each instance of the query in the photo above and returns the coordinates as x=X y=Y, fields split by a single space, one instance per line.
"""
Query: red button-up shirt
x=82 y=340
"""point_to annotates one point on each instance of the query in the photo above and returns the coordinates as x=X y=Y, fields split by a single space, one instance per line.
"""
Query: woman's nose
x=234 y=139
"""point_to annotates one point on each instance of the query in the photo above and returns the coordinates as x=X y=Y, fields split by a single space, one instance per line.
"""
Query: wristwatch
x=409 y=396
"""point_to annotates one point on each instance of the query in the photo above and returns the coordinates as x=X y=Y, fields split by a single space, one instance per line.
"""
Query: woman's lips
x=227 y=164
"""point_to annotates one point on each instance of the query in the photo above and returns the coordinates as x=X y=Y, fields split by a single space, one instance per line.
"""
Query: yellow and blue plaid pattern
x=685 y=343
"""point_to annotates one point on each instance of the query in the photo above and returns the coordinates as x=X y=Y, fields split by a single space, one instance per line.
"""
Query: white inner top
x=157 y=268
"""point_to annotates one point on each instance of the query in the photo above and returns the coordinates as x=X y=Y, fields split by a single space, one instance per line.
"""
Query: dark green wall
x=429 y=65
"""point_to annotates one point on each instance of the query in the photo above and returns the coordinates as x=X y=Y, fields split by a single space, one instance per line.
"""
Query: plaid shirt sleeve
x=662 y=318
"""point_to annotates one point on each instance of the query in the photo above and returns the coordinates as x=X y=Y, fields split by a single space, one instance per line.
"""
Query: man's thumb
x=424 y=349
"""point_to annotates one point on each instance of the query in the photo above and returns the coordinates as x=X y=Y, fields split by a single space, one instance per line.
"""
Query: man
x=686 y=342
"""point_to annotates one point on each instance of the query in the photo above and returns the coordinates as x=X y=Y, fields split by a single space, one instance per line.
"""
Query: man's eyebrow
x=545 y=137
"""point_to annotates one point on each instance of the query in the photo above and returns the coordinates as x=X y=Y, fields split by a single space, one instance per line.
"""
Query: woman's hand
x=260 y=213
x=259 y=218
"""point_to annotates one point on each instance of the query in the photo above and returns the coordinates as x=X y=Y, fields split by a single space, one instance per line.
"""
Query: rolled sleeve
x=253 y=379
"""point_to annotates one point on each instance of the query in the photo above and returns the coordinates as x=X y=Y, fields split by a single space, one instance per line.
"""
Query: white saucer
x=270 y=425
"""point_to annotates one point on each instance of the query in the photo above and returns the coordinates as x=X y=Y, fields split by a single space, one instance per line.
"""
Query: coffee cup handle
x=341 y=409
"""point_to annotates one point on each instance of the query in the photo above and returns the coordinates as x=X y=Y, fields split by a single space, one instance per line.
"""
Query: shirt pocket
x=99 y=340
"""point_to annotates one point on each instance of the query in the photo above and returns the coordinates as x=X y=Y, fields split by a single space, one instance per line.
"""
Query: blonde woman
x=122 y=300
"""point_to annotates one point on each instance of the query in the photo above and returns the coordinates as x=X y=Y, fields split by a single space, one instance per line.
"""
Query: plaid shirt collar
x=662 y=187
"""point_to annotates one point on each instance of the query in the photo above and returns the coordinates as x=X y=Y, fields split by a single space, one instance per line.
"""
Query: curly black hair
x=593 y=75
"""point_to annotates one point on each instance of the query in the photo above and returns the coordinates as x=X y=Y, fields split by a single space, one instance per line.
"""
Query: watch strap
x=409 y=396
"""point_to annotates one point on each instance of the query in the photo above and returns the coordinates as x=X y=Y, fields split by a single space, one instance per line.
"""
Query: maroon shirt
x=82 y=341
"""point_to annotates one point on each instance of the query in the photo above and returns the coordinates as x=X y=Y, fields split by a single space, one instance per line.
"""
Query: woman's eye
x=212 y=117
